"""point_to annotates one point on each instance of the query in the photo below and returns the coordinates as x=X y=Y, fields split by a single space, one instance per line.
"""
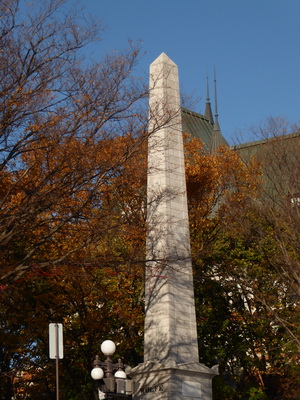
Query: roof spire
x=208 y=113
x=216 y=135
x=216 y=125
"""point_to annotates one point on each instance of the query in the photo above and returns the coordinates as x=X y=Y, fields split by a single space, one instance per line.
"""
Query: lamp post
x=111 y=386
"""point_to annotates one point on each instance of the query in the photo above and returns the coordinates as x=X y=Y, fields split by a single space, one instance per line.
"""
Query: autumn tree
x=276 y=214
x=235 y=326
x=216 y=184
x=62 y=123
x=246 y=261
x=69 y=128
x=96 y=295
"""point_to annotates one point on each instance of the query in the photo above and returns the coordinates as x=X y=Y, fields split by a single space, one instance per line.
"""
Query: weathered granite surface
x=171 y=367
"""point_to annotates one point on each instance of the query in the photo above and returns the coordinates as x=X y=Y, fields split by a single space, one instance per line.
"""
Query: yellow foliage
x=218 y=185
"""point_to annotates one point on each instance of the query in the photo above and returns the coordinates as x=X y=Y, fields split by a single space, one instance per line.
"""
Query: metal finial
x=215 y=87
x=97 y=361
x=207 y=90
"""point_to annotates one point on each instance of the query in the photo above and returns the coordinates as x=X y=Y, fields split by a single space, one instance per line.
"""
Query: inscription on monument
x=151 y=389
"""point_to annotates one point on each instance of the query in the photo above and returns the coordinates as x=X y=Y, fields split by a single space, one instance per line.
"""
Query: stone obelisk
x=171 y=367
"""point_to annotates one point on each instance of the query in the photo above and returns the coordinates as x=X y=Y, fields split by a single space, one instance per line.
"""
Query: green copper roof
x=278 y=157
x=258 y=147
x=199 y=126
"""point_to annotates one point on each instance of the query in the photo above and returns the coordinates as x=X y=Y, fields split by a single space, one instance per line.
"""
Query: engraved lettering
x=152 y=389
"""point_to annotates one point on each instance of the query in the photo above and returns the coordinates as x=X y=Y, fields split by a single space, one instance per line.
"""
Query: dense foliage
x=246 y=261
x=70 y=234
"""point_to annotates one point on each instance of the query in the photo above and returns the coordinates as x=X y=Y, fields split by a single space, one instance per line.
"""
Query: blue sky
x=254 y=45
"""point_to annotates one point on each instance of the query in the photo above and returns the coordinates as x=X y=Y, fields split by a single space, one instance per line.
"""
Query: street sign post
x=56 y=350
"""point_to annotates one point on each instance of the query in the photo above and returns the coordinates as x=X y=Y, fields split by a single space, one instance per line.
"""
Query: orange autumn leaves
x=65 y=198
x=82 y=198
x=220 y=179
x=219 y=186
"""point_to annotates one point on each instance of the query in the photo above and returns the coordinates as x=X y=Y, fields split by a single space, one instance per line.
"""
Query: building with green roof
x=205 y=127
x=278 y=156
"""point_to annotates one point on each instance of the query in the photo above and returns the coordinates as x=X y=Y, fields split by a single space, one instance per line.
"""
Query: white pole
x=57 y=358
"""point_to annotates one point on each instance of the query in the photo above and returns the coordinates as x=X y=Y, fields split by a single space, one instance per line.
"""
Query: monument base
x=171 y=381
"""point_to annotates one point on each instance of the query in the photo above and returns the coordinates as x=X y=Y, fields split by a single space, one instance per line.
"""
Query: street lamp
x=111 y=386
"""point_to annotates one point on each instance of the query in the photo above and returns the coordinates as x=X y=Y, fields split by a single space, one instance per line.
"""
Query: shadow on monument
x=171 y=367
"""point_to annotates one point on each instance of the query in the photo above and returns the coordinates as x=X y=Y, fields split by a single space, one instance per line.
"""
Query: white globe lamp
x=108 y=347
x=97 y=373
x=120 y=374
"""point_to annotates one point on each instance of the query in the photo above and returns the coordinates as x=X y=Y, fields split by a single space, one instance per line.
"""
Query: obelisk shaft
x=171 y=368
x=170 y=321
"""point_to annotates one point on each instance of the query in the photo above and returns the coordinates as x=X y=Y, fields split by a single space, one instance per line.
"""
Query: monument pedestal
x=171 y=381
